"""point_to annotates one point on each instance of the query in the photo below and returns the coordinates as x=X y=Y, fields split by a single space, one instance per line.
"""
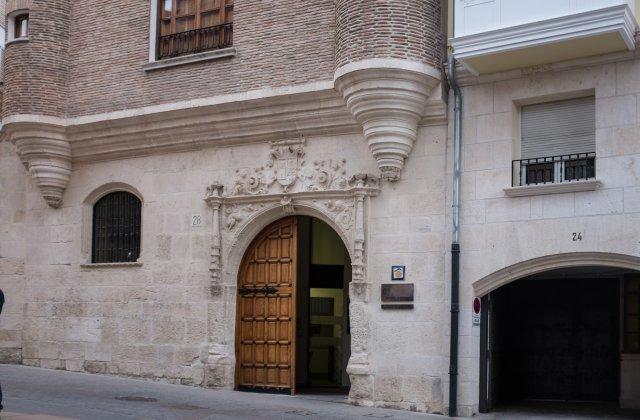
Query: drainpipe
x=455 y=243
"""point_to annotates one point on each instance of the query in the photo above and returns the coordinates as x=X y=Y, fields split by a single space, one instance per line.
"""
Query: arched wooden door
x=266 y=321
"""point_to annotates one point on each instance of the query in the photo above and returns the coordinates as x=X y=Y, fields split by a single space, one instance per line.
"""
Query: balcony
x=554 y=169
x=195 y=41
x=499 y=35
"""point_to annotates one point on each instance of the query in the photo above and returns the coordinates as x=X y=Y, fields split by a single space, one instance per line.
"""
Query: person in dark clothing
x=1 y=304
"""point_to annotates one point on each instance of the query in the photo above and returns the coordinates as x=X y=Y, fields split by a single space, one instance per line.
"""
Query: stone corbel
x=388 y=97
x=46 y=153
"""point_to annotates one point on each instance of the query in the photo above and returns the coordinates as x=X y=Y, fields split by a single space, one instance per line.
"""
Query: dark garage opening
x=556 y=339
x=559 y=343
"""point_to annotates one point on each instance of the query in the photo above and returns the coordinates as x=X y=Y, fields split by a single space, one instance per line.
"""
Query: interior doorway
x=293 y=309
x=553 y=337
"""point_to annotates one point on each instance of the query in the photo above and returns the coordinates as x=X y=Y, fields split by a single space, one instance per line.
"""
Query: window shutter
x=558 y=128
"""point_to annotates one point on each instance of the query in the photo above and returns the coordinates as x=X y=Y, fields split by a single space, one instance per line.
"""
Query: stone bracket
x=46 y=153
x=388 y=98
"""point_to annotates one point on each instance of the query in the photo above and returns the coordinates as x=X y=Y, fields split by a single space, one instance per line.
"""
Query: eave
x=551 y=40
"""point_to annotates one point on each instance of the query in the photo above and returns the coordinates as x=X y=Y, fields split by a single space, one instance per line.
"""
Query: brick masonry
x=99 y=68
x=279 y=44
x=35 y=77
x=409 y=29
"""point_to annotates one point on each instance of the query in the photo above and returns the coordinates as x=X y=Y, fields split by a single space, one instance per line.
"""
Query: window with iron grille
x=558 y=141
x=632 y=314
x=116 y=228
x=193 y=26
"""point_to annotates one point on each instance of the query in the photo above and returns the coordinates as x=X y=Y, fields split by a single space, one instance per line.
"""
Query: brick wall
x=279 y=43
x=409 y=29
x=35 y=72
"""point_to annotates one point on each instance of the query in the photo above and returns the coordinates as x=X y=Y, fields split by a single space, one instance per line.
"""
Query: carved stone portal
x=287 y=184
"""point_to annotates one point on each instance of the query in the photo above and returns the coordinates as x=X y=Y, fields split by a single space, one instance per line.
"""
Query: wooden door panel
x=266 y=315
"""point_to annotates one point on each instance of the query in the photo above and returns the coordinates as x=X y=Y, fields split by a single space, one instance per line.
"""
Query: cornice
x=466 y=78
x=249 y=117
x=388 y=63
x=289 y=116
x=365 y=191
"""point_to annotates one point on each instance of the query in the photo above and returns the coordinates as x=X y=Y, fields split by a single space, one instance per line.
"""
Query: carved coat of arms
x=285 y=160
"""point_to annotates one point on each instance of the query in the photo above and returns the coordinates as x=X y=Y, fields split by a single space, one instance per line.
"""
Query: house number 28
x=577 y=236
x=196 y=221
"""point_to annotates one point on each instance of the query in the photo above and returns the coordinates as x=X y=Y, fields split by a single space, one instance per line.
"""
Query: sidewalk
x=41 y=394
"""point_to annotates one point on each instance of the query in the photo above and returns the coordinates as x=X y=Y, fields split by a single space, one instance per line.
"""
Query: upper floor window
x=192 y=26
x=21 y=28
x=116 y=228
x=18 y=25
x=558 y=142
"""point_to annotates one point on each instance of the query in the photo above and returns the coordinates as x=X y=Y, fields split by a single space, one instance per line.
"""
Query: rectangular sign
x=397 y=292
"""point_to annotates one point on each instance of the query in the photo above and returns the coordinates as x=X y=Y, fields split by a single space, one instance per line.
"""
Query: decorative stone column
x=218 y=360
x=46 y=153
x=214 y=199
x=359 y=367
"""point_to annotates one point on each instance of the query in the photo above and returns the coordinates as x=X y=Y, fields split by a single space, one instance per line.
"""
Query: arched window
x=116 y=228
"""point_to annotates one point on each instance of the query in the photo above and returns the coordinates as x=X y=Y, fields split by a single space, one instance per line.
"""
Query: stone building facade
x=335 y=110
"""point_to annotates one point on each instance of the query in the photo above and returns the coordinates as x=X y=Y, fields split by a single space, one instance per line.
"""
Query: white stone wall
x=13 y=248
x=499 y=231
x=408 y=227
x=156 y=320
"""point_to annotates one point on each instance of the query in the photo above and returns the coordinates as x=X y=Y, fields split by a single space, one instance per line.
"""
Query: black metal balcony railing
x=195 y=41
x=554 y=169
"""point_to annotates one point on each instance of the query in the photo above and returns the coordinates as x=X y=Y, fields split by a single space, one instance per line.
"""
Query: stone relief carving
x=236 y=213
x=287 y=171
x=342 y=211
x=285 y=160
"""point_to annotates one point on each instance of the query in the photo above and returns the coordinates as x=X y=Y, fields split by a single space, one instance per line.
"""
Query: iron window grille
x=195 y=41
x=554 y=169
x=116 y=228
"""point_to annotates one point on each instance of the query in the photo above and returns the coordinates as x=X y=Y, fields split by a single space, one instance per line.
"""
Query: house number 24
x=577 y=236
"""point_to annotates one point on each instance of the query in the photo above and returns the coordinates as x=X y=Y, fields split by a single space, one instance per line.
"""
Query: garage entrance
x=555 y=336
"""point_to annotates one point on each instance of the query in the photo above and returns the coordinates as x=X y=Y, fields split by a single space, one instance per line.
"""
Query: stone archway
x=285 y=186
x=550 y=262
x=543 y=320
